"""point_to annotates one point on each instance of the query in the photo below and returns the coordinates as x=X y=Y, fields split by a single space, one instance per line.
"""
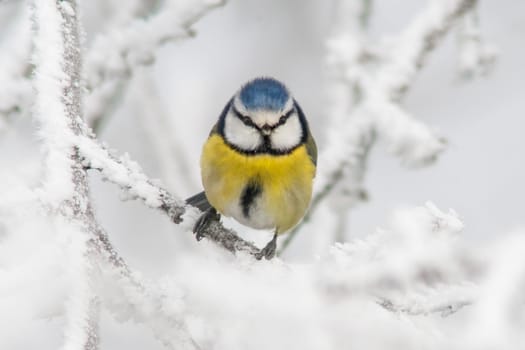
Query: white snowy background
x=408 y=275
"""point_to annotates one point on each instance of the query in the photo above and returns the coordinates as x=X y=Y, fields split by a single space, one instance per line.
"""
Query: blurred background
x=480 y=175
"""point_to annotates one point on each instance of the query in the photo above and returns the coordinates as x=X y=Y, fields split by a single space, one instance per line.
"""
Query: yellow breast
x=285 y=182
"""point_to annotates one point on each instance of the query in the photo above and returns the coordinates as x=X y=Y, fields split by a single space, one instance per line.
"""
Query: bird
x=258 y=163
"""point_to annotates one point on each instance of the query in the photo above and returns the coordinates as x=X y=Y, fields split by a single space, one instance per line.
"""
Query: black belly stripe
x=250 y=192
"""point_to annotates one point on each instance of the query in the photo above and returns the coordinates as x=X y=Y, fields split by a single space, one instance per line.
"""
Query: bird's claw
x=268 y=252
x=202 y=223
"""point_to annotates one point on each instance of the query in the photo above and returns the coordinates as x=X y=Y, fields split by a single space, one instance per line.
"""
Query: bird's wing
x=311 y=148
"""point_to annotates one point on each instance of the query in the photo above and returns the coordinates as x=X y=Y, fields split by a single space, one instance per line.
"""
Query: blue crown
x=264 y=93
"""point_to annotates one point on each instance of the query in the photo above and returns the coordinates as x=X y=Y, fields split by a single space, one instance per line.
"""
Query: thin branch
x=113 y=57
x=415 y=44
x=476 y=57
x=377 y=112
x=65 y=190
x=445 y=310
x=129 y=176
x=347 y=56
x=444 y=300
x=142 y=303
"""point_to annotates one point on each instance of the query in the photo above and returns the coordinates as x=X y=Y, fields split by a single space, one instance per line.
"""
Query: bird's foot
x=202 y=223
x=268 y=252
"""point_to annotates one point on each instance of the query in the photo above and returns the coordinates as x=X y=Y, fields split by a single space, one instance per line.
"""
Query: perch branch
x=129 y=176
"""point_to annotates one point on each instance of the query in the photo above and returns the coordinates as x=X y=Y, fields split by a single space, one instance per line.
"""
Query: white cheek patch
x=288 y=135
x=240 y=135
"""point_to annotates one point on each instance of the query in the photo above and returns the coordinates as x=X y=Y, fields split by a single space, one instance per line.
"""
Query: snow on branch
x=476 y=56
x=368 y=85
x=129 y=297
x=409 y=51
x=390 y=279
x=113 y=56
x=65 y=189
x=128 y=175
x=388 y=276
x=396 y=266
x=110 y=60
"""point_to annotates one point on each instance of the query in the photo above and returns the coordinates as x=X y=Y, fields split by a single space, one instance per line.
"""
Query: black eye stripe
x=249 y=122
x=245 y=119
x=284 y=118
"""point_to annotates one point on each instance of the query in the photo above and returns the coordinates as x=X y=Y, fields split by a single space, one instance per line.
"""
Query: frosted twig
x=416 y=42
x=476 y=57
x=65 y=189
x=129 y=176
x=377 y=112
x=141 y=303
x=112 y=57
x=445 y=310
x=444 y=300
x=347 y=56
x=396 y=267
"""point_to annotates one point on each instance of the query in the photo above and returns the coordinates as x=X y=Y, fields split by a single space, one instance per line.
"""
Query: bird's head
x=263 y=117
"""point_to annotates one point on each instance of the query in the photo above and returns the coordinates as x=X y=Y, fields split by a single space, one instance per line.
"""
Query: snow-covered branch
x=367 y=101
x=389 y=287
x=384 y=88
x=110 y=60
x=113 y=56
x=410 y=50
x=128 y=175
x=129 y=297
x=476 y=56
x=65 y=189
x=417 y=266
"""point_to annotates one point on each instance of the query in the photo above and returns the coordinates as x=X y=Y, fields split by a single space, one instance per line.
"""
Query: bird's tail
x=200 y=201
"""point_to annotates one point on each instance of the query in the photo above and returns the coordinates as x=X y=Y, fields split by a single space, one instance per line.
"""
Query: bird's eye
x=246 y=120
x=282 y=119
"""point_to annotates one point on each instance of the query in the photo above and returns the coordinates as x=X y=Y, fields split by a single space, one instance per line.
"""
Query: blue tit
x=259 y=162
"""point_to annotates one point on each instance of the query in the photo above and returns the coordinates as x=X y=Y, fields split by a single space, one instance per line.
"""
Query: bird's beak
x=266 y=129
